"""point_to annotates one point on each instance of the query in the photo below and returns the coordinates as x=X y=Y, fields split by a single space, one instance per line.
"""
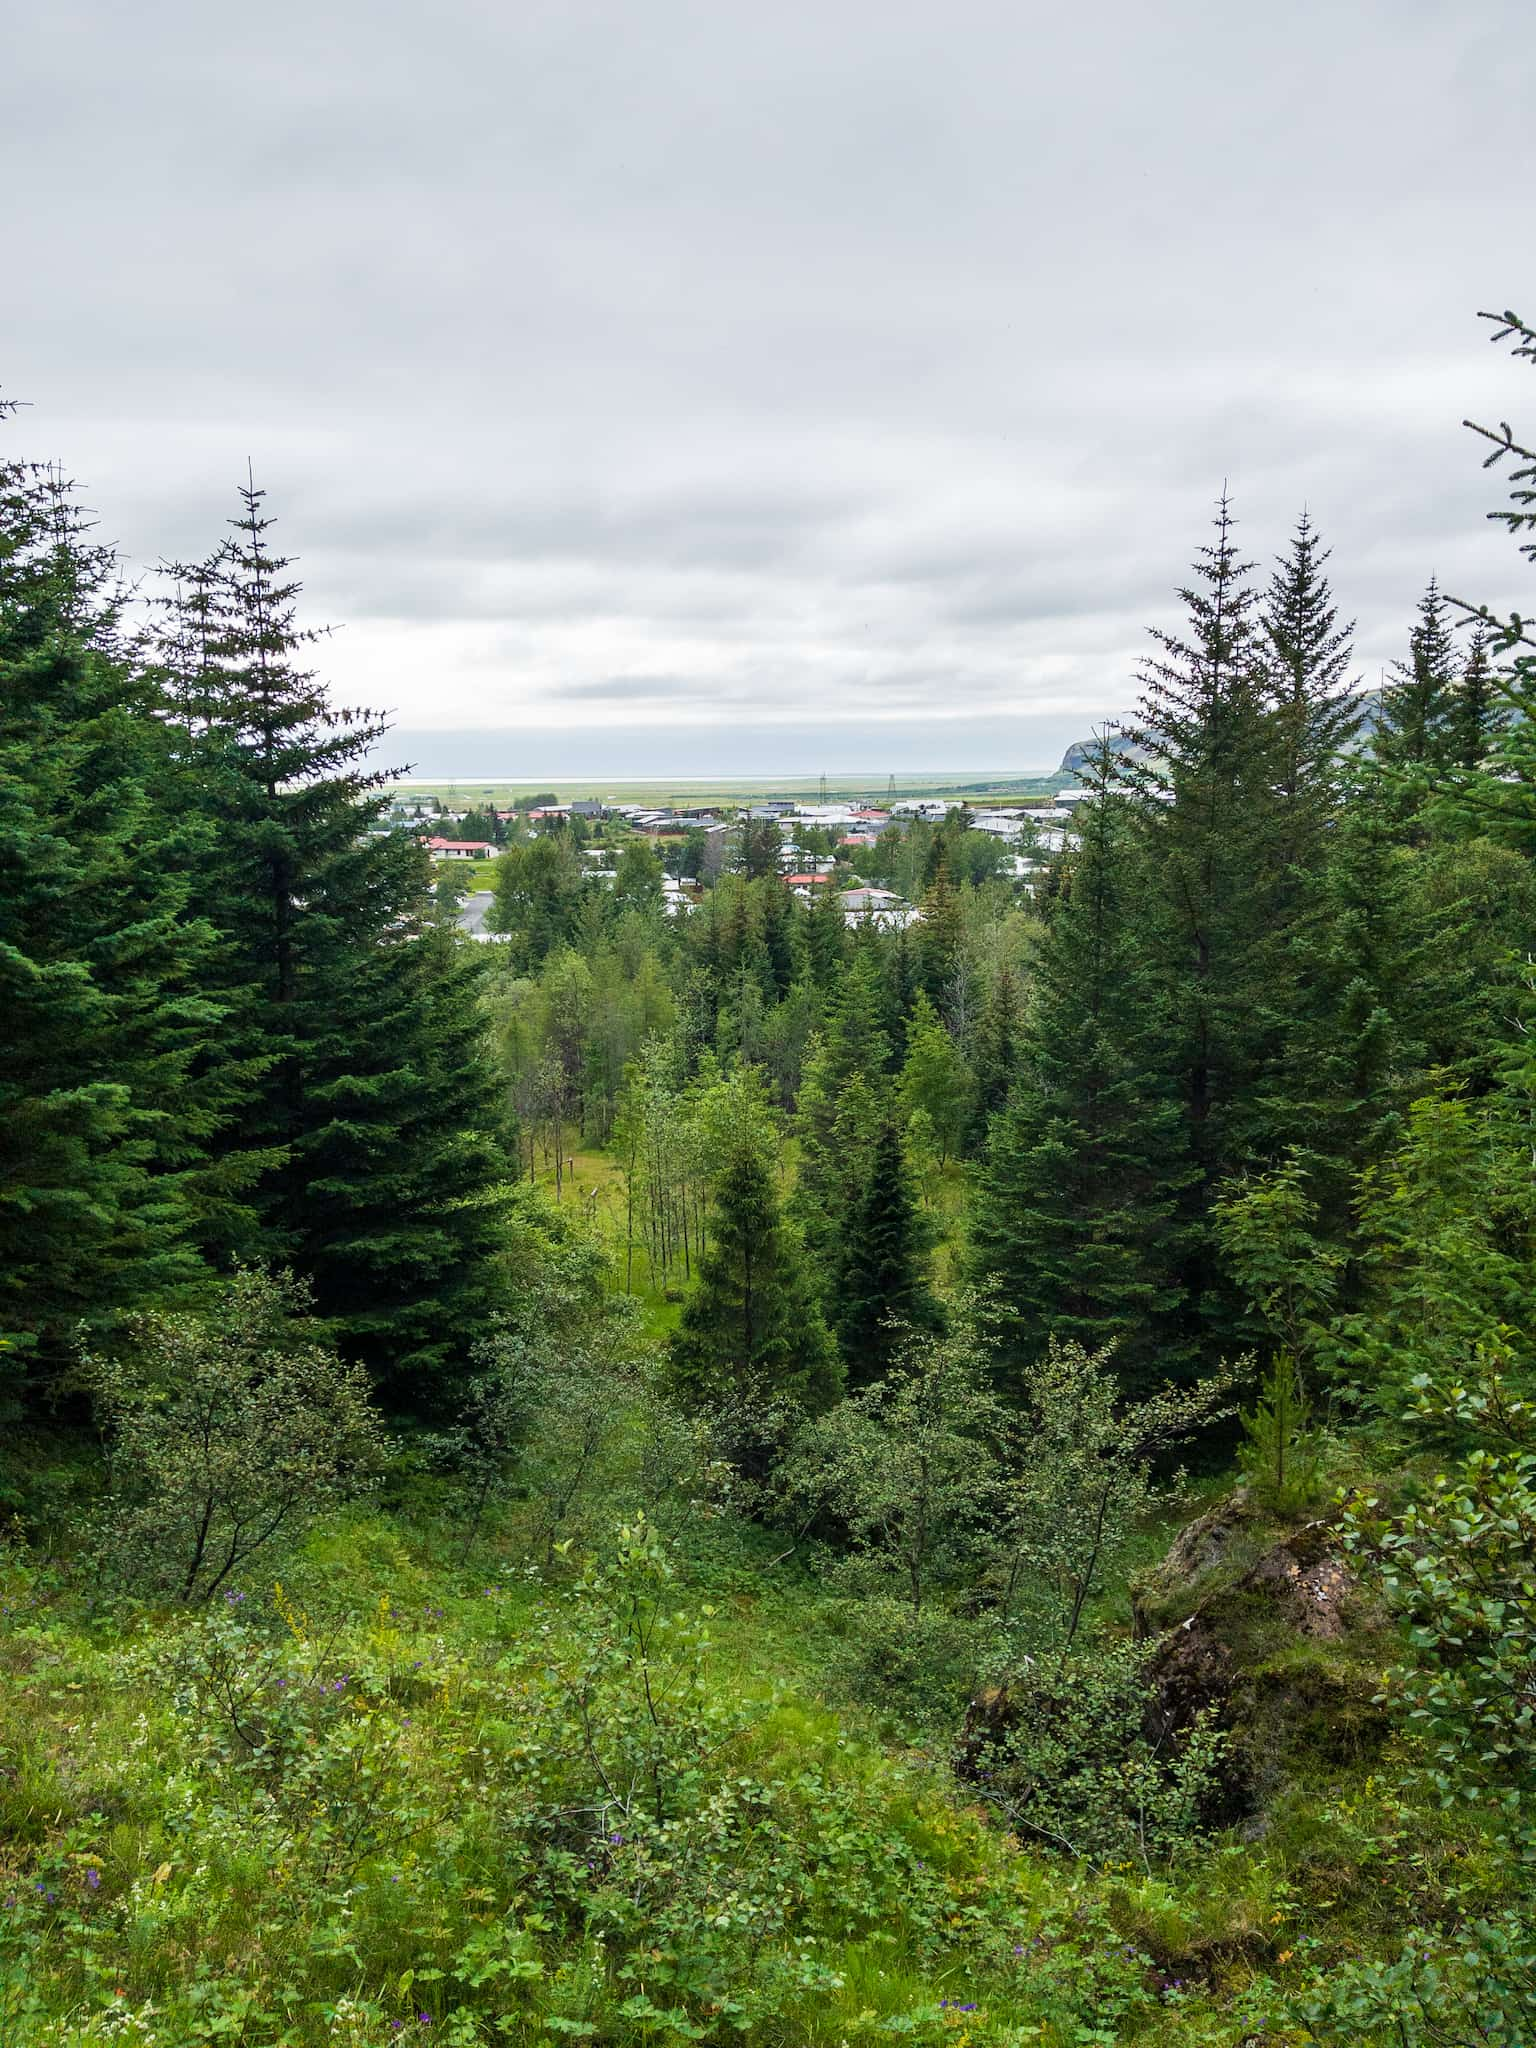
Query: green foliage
x=505 y=1813
x=1074 y=1230
x=1474 y=1987
x=1075 y=1769
x=1445 y=1229
x=1459 y=1568
x=107 y=1101
x=751 y=1334
x=1281 y=1455
x=559 y=1380
x=1083 y=1480
x=908 y=1466
x=936 y=1079
x=227 y=1432
x=882 y=1288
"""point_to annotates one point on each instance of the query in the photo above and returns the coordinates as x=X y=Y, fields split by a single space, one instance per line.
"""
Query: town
x=813 y=847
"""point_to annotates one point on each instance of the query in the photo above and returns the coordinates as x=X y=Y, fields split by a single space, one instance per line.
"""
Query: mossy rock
x=1285 y=1656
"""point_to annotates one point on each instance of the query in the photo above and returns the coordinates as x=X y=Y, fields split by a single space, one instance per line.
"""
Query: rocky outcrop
x=1265 y=1634
x=1280 y=1649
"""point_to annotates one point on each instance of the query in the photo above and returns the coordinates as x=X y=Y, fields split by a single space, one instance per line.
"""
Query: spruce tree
x=104 y=1113
x=1217 y=834
x=1417 y=731
x=1075 y=1226
x=751 y=1331
x=1478 y=715
x=1306 y=659
x=372 y=1122
x=940 y=931
x=882 y=1293
x=995 y=1056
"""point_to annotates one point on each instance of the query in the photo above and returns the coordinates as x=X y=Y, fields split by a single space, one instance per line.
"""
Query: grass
x=357 y=1801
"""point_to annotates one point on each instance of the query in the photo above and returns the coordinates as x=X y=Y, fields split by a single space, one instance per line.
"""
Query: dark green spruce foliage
x=995 y=1050
x=1313 y=715
x=374 y=1121
x=1073 y=1225
x=1417 y=734
x=751 y=1331
x=1221 y=842
x=1208 y=777
x=1480 y=712
x=103 y=1114
x=882 y=1292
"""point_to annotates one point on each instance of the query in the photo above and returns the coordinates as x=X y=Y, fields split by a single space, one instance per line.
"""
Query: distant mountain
x=1081 y=752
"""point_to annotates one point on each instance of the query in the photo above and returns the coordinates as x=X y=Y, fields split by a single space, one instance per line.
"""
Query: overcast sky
x=761 y=386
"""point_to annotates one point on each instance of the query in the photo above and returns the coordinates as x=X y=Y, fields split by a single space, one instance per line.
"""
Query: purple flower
x=93 y=1879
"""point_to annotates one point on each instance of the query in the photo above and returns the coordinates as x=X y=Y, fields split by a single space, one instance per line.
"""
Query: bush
x=921 y=1667
x=1065 y=1757
x=226 y=1432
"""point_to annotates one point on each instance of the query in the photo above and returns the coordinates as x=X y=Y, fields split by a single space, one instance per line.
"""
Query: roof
x=460 y=846
x=806 y=881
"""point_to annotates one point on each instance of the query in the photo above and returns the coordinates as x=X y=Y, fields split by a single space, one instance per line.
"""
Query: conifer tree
x=344 y=993
x=995 y=1055
x=751 y=1331
x=883 y=1292
x=1216 y=833
x=1417 y=731
x=1307 y=656
x=936 y=1079
x=940 y=932
x=1479 y=715
x=826 y=936
x=1075 y=1226
x=105 y=1114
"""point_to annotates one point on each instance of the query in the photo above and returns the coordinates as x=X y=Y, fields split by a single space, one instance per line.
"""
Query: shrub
x=1068 y=1762
x=226 y=1432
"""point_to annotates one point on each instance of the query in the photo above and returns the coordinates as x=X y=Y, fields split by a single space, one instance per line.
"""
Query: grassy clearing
x=360 y=1803
x=391 y=1793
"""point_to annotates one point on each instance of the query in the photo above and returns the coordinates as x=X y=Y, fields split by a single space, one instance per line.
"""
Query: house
x=460 y=849
x=859 y=839
x=882 y=907
x=804 y=884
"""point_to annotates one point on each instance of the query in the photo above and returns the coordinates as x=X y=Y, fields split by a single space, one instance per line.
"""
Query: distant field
x=662 y=792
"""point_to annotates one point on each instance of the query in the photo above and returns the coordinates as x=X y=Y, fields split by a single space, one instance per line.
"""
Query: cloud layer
x=833 y=383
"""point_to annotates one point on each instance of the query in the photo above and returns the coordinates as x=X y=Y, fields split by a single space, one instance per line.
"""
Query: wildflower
x=93 y=1879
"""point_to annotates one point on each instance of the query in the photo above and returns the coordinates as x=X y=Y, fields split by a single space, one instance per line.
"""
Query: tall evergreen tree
x=1306 y=658
x=104 y=1116
x=995 y=1056
x=883 y=1291
x=1217 y=832
x=1416 y=733
x=940 y=932
x=1075 y=1231
x=1479 y=714
x=751 y=1330
x=373 y=1122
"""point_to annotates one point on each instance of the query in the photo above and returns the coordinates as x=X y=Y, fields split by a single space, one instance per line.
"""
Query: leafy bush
x=226 y=1432
x=1067 y=1760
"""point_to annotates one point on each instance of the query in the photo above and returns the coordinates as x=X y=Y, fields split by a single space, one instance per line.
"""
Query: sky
x=719 y=387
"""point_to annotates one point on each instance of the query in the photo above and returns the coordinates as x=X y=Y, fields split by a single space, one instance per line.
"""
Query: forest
x=741 y=1472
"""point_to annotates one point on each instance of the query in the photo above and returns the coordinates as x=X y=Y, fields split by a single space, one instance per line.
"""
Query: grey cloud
x=812 y=361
